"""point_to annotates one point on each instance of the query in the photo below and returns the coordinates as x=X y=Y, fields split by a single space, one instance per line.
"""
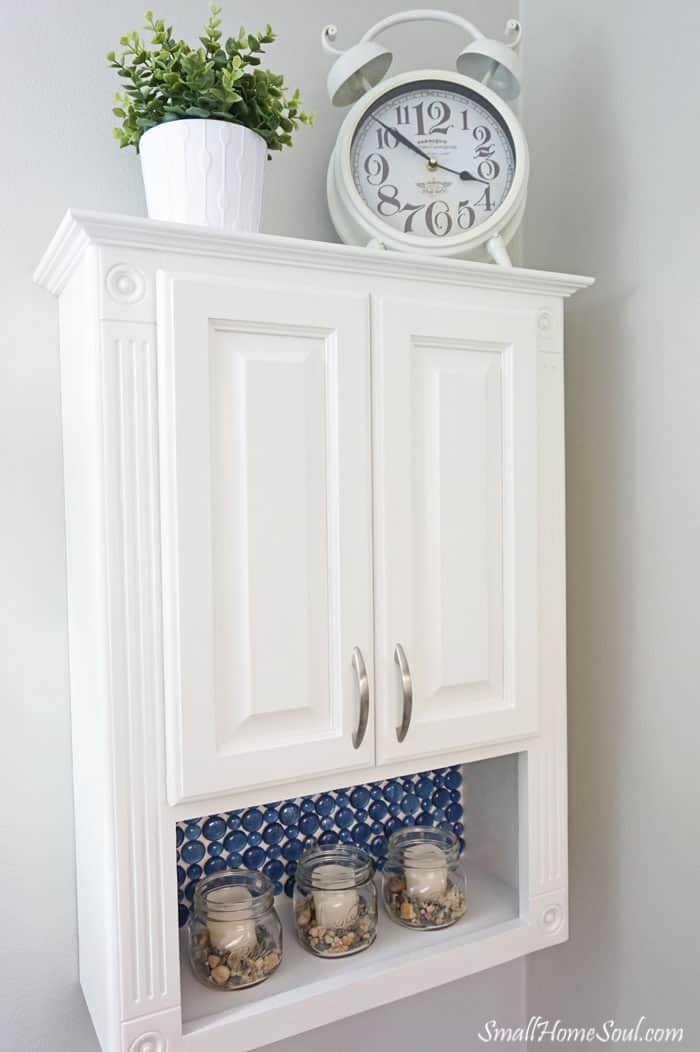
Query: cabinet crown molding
x=79 y=229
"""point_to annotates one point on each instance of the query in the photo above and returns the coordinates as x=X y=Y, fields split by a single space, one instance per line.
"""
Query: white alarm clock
x=429 y=161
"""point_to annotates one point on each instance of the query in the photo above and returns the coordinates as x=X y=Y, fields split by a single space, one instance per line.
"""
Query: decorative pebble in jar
x=424 y=886
x=335 y=900
x=235 y=933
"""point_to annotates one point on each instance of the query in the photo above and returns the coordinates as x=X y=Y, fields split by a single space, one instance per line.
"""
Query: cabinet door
x=455 y=524
x=266 y=466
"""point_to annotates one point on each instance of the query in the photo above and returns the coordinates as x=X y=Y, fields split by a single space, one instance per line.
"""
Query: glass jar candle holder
x=235 y=935
x=335 y=900
x=424 y=886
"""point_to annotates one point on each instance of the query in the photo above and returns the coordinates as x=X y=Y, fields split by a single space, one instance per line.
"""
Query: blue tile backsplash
x=271 y=837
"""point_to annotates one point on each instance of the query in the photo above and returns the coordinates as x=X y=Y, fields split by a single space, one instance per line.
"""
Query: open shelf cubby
x=407 y=961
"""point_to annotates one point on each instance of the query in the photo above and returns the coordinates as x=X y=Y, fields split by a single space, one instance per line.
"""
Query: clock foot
x=496 y=248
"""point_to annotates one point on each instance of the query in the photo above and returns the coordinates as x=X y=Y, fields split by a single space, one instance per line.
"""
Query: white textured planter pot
x=208 y=173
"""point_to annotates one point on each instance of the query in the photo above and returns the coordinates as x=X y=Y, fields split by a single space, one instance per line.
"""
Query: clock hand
x=432 y=163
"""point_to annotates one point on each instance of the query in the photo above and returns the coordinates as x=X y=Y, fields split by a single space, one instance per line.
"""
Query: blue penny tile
x=253 y=857
x=183 y=914
x=379 y=863
x=344 y=817
x=271 y=837
x=453 y=778
x=359 y=797
x=392 y=825
x=252 y=820
x=378 y=810
x=292 y=850
x=393 y=792
x=361 y=833
x=410 y=804
x=290 y=814
x=273 y=869
x=454 y=812
x=379 y=846
x=214 y=828
x=273 y=833
x=308 y=824
x=324 y=805
x=462 y=844
x=214 y=865
x=192 y=851
x=235 y=841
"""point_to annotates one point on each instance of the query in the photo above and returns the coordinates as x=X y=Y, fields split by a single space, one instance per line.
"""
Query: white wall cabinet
x=305 y=484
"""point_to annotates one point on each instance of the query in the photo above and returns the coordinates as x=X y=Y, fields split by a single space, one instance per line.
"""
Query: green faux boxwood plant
x=220 y=80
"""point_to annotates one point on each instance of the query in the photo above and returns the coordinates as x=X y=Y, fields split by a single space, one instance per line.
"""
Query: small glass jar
x=424 y=886
x=235 y=933
x=335 y=900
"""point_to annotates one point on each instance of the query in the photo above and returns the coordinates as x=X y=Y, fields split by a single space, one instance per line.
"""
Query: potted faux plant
x=203 y=120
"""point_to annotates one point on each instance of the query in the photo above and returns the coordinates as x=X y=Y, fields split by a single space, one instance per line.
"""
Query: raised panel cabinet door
x=455 y=506
x=266 y=523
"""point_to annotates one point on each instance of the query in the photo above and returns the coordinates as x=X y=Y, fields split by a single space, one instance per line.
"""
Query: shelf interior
x=492 y=903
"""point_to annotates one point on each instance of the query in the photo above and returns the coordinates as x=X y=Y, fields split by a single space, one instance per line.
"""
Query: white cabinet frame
x=104 y=269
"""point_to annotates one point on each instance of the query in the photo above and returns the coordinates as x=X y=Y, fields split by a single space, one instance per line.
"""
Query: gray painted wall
x=58 y=151
x=611 y=115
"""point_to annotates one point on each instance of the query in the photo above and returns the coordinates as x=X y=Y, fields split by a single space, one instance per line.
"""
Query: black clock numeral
x=388 y=199
x=482 y=134
x=413 y=211
x=439 y=112
x=376 y=168
x=402 y=115
x=485 y=200
x=466 y=216
x=485 y=151
x=465 y=120
x=386 y=139
x=438 y=219
x=488 y=169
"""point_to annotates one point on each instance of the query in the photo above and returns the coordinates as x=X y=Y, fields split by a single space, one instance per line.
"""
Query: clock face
x=432 y=159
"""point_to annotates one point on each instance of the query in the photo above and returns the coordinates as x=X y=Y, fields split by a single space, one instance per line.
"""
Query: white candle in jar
x=425 y=870
x=336 y=903
x=229 y=931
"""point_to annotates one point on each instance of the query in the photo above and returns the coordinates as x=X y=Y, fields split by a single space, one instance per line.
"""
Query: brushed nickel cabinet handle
x=358 y=663
x=406 y=692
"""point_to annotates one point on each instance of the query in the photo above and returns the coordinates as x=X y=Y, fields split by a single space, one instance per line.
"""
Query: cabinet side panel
x=90 y=710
